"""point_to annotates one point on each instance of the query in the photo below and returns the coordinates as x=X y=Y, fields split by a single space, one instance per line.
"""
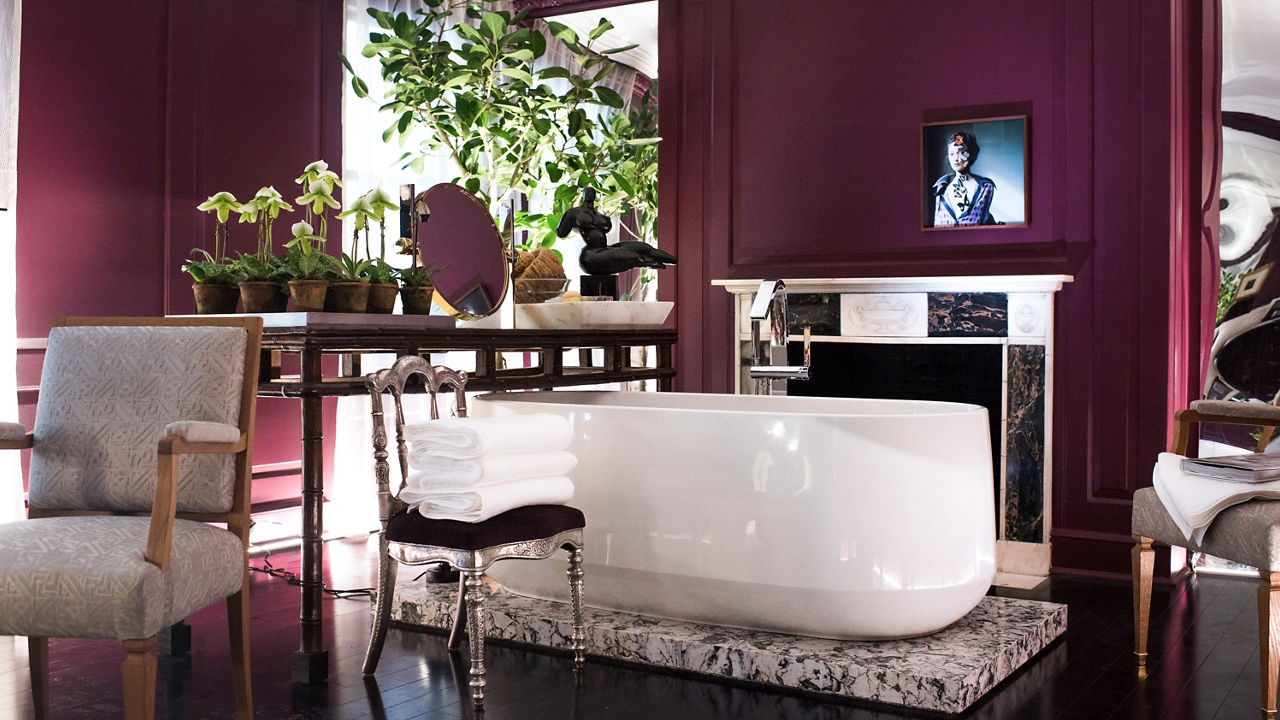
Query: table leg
x=311 y=661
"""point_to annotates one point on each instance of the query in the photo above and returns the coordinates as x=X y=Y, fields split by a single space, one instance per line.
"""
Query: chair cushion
x=1247 y=533
x=1262 y=412
x=87 y=577
x=532 y=522
x=106 y=395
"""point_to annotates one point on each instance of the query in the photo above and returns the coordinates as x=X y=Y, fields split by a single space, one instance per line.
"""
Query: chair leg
x=140 y=679
x=238 y=628
x=381 y=608
x=38 y=657
x=1269 y=638
x=459 y=629
x=1144 y=565
x=579 y=638
x=475 y=631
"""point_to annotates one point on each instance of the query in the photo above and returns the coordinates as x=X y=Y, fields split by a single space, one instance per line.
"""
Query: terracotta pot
x=347 y=296
x=416 y=300
x=259 y=296
x=382 y=298
x=308 y=295
x=215 y=299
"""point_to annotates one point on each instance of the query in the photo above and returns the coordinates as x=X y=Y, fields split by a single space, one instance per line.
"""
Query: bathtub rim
x=961 y=408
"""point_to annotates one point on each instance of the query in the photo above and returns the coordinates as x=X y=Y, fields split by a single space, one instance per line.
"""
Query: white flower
x=300 y=228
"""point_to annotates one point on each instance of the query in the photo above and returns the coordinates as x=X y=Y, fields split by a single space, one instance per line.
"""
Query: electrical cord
x=293 y=579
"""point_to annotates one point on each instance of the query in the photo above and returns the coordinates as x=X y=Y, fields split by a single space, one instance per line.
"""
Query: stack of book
x=1247 y=468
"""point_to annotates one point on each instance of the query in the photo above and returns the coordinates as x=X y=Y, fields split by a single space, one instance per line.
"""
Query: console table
x=311 y=336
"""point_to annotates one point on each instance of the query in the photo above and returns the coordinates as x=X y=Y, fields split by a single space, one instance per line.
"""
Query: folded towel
x=433 y=472
x=481 y=503
x=466 y=438
x=1193 y=501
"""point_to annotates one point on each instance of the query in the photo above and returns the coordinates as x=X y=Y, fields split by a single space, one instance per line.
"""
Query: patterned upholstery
x=106 y=395
x=87 y=577
x=1248 y=533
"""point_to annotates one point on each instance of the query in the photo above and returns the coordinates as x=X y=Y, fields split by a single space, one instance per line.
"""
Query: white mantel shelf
x=958 y=283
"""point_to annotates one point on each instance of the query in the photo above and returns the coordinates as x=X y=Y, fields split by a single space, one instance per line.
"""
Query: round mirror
x=457 y=235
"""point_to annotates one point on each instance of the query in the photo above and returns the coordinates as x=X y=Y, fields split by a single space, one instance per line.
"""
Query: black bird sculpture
x=597 y=258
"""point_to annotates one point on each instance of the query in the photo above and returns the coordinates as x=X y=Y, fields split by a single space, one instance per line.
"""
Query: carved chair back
x=393 y=381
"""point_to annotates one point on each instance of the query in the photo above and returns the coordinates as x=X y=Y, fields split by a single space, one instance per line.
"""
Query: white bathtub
x=839 y=518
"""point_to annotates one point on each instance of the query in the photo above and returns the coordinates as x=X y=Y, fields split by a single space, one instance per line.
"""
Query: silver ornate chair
x=407 y=538
x=118 y=543
x=1248 y=533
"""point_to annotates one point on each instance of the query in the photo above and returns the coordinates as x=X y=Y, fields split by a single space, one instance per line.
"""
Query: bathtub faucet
x=771 y=304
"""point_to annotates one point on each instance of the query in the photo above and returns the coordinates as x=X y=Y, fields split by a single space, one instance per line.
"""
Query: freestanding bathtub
x=839 y=518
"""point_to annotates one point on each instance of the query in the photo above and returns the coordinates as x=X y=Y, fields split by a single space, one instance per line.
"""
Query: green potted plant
x=308 y=269
x=215 y=280
x=416 y=289
x=383 y=289
x=261 y=278
x=348 y=285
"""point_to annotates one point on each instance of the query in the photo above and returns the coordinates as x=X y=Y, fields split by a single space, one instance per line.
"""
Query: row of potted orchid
x=315 y=280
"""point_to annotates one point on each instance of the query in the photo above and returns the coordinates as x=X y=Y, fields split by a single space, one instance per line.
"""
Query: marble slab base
x=944 y=672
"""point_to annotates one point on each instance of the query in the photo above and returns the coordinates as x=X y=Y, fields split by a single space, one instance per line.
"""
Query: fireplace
x=983 y=340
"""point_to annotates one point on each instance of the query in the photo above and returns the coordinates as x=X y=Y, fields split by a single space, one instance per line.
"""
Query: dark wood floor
x=1203 y=666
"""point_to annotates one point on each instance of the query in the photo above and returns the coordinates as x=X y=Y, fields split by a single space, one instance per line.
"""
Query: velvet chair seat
x=531 y=521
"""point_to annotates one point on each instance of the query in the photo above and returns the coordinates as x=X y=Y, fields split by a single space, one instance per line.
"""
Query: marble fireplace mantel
x=1011 y=311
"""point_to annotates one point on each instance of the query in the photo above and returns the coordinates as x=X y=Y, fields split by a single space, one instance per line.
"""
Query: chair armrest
x=1227 y=411
x=14 y=436
x=187 y=437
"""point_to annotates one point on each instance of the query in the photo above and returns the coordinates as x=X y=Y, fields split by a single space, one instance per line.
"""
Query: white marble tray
x=607 y=314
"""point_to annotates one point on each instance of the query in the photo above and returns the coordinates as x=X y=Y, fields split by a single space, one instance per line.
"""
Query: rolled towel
x=481 y=503
x=1193 y=501
x=466 y=438
x=431 y=471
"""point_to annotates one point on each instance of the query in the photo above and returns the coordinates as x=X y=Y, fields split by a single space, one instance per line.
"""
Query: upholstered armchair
x=1248 y=533
x=142 y=438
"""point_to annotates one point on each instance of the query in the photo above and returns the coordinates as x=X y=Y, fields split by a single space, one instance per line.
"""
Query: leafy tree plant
x=305 y=261
x=474 y=92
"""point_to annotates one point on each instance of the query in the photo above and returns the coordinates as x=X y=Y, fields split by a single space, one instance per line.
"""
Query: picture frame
x=995 y=190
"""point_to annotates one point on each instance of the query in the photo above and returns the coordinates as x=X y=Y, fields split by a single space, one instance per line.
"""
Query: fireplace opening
x=967 y=373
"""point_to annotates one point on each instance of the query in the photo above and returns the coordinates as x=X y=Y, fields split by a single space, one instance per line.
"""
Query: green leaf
x=554 y=71
x=562 y=31
x=403 y=123
x=644 y=141
x=518 y=74
x=575 y=121
x=604 y=27
x=494 y=24
x=623 y=183
x=523 y=54
x=624 y=48
x=359 y=87
x=418 y=164
x=608 y=97
x=469 y=33
x=473 y=185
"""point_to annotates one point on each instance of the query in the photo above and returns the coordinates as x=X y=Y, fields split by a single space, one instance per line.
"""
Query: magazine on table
x=1249 y=467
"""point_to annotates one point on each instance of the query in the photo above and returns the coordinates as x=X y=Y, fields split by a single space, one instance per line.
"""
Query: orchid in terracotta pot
x=308 y=268
x=261 y=276
x=215 y=279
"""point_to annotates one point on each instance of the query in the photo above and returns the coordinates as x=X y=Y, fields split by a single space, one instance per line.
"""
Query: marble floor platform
x=944 y=672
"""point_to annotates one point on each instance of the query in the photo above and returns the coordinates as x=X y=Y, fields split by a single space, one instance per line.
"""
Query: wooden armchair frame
x=139 y=670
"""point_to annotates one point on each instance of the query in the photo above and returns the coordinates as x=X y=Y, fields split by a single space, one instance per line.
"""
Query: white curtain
x=10 y=37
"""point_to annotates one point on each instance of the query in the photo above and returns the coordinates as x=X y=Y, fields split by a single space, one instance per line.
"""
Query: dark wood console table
x=311 y=336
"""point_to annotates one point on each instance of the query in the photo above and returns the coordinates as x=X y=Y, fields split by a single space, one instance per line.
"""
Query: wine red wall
x=792 y=141
x=130 y=115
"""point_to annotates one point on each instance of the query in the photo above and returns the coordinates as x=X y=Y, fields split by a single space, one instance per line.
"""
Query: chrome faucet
x=771 y=304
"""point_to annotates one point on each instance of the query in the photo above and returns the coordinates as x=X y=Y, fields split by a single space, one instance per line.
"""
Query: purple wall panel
x=131 y=116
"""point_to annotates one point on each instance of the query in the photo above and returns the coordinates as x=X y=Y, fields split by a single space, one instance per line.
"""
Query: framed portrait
x=975 y=173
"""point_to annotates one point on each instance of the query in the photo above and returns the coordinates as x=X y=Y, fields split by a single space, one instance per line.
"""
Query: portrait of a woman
x=962 y=197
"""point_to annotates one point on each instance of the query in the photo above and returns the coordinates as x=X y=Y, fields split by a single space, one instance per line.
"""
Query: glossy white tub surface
x=842 y=518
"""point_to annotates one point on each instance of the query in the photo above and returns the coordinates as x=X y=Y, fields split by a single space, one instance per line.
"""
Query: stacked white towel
x=1193 y=501
x=474 y=469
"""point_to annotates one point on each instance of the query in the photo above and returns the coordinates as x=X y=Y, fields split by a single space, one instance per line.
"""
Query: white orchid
x=301 y=228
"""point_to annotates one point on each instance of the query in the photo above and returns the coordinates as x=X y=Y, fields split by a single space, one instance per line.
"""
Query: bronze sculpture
x=597 y=258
